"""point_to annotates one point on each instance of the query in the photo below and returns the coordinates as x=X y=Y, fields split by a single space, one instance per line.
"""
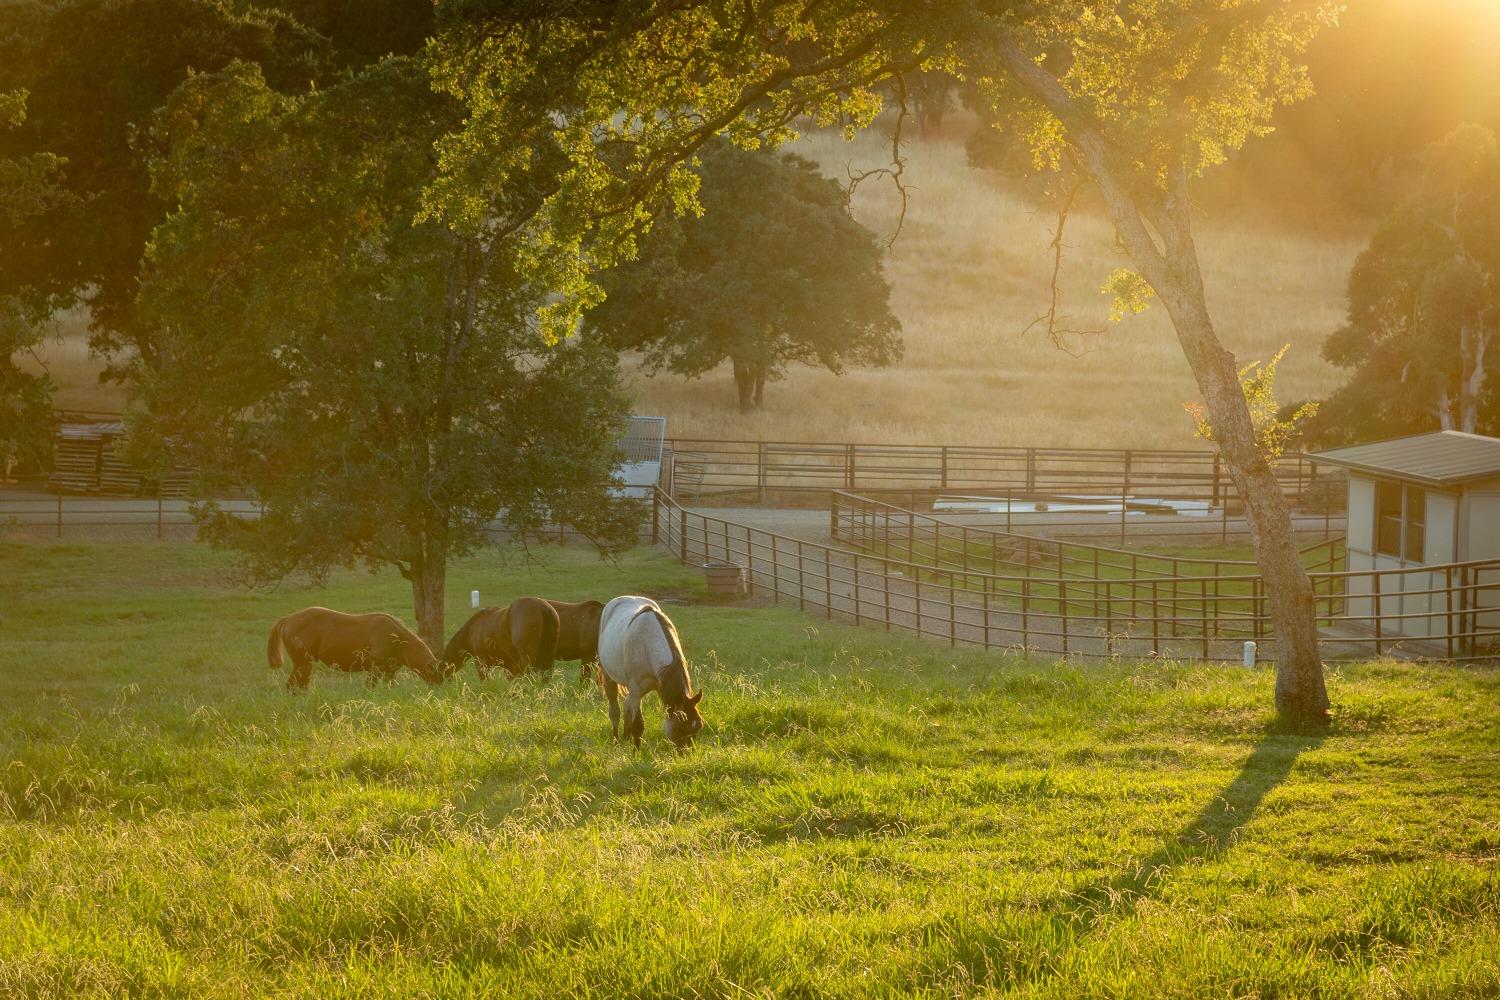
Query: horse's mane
x=673 y=684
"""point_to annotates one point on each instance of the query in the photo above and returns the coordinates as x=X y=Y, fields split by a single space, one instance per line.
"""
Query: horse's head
x=419 y=658
x=682 y=723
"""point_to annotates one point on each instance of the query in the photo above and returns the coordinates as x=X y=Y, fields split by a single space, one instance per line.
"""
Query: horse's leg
x=612 y=692
x=301 y=670
x=635 y=724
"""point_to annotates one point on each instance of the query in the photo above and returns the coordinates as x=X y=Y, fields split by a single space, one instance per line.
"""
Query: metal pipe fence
x=1445 y=612
x=875 y=526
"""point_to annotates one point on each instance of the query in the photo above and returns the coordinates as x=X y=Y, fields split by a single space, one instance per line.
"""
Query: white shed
x=1426 y=501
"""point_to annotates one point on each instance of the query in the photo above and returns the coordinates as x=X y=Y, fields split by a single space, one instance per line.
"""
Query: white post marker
x=1250 y=654
x=474 y=601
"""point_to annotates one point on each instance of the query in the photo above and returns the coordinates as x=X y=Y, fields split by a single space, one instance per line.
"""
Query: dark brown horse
x=529 y=634
x=377 y=643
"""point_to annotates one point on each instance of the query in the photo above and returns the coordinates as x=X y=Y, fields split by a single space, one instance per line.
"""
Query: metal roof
x=1443 y=458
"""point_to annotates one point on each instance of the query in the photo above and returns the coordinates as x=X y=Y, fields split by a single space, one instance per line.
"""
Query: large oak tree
x=378 y=382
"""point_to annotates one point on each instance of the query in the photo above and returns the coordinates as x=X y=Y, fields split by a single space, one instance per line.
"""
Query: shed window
x=1400 y=521
x=1416 y=524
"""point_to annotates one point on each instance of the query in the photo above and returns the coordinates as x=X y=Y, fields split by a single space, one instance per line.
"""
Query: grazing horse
x=377 y=643
x=529 y=634
x=639 y=651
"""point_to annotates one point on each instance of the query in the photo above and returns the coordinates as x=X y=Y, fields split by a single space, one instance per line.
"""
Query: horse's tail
x=546 y=647
x=273 y=645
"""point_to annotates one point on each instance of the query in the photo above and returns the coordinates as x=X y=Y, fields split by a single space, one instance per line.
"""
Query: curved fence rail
x=955 y=544
x=1442 y=612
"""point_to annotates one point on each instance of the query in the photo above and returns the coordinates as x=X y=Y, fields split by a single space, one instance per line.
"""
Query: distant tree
x=29 y=188
x=774 y=272
x=379 y=383
x=1424 y=303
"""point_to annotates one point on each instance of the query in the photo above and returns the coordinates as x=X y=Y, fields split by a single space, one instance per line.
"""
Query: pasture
x=864 y=815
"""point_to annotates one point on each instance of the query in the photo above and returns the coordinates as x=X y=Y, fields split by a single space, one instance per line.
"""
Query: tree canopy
x=379 y=383
x=97 y=71
x=29 y=187
x=1424 y=305
x=774 y=272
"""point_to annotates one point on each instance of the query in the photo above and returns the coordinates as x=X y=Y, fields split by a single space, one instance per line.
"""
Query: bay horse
x=528 y=634
x=639 y=650
x=377 y=643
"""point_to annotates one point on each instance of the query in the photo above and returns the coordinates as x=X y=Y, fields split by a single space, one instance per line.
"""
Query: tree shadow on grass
x=1212 y=831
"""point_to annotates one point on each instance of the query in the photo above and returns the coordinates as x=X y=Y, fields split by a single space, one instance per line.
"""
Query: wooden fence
x=1132 y=616
x=704 y=468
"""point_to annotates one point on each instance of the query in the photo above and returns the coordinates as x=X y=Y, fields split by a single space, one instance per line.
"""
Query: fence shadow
x=1213 y=830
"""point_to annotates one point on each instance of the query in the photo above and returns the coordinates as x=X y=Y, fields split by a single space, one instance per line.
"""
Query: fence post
x=775 y=574
x=1214 y=490
x=1062 y=608
x=655 y=516
x=885 y=586
x=1375 y=591
x=944 y=480
x=856 y=587
x=1155 y=620
x=1030 y=470
x=158 y=515
x=1448 y=593
x=849 y=466
x=749 y=560
x=760 y=472
x=1203 y=612
x=682 y=537
x=952 y=616
x=828 y=580
x=1026 y=610
x=833 y=514
x=1124 y=492
x=801 y=580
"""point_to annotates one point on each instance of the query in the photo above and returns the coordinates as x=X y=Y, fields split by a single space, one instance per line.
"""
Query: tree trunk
x=1301 y=695
x=760 y=389
x=1474 y=342
x=1168 y=260
x=744 y=382
x=428 y=587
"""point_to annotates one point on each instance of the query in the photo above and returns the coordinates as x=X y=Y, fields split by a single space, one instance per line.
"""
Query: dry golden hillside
x=970 y=271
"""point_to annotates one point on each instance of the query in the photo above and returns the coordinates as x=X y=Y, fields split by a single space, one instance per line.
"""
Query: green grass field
x=865 y=816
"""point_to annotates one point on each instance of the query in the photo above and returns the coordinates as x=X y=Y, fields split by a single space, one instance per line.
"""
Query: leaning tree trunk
x=1155 y=227
x=1300 y=691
